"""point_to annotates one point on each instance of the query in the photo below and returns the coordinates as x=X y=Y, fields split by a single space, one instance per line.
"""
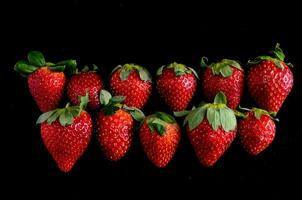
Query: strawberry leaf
x=136 y=113
x=227 y=119
x=57 y=68
x=45 y=116
x=83 y=102
x=220 y=98
x=278 y=52
x=105 y=97
x=203 y=61
x=194 y=72
x=165 y=117
x=54 y=117
x=24 y=68
x=66 y=118
x=160 y=71
x=181 y=113
x=213 y=118
x=117 y=99
x=196 y=117
x=124 y=74
x=226 y=71
x=36 y=58
x=144 y=74
x=117 y=67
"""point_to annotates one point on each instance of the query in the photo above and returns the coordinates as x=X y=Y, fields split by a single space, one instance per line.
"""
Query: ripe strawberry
x=66 y=133
x=133 y=82
x=226 y=76
x=256 y=131
x=159 y=137
x=115 y=126
x=211 y=129
x=270 y=80
x=176 y=84
x=85 y=81
x=46 y=81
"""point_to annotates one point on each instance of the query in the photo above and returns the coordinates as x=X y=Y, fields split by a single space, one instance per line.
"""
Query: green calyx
x=179 y=69
x=258 y=112
x=113 y=104
x=36 y=60
x=158 y=122
x=217 y=114
x=223 y=68
x=277 y=57
x=64 y=115
x=144 y=74
x=86 y=68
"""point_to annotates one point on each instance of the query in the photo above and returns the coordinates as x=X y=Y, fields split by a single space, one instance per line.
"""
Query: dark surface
x=150 y=34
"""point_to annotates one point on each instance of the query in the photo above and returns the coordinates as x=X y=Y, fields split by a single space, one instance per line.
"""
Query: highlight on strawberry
x=176 y=84
x=66 y=133
x=132 y=81
x=86 y=80
x=256 y=130
x=115 y=124
x=270 y=80
x=226 y=76
x=159 y=136
x=46 y=80
x=211 y=128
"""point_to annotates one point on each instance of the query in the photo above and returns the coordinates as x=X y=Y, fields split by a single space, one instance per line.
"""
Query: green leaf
x=83 y=102
x=66 y=118
x=54 y=117
x=159 y=125
x=70 y=65
x=160 y=71
x=105 y=97
x=136 y=113
x=144 y=74
x=194 y=72
x=232 y=63
x=85 y=69
x=220 y=98
x=226 y=71
x=230 y=121
x=149 y=123
x=23 y=67
x=57 y=68
x=278 y=52
x=95 y=68
x=165 y=117
x=36 y=58
x=196 y=117
x=203 y=61
x=117 y=99
x=110 y=110
x=117 y=67
x=181 y=113
x=124 y=74
x=45 y=116
x=213 y=118
x=278 y=64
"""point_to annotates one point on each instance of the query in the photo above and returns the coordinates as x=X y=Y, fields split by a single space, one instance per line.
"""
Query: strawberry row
x=211 y=127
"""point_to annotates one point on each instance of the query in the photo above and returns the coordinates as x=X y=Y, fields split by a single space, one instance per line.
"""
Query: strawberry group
x=176 y=84
x=211 y=127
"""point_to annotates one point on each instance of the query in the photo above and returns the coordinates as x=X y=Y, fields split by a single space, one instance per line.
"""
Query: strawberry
x=133 y=82
x=270 y=80
x=66 y=133
x=226 y=76
x=211 y=129
x=115 y=125
x=85 y=81
x=46 y=81
x=176 y=84
x=256 y=131
x=159 y=137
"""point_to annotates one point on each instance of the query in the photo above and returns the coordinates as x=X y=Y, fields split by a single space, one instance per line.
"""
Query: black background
x=151 y=34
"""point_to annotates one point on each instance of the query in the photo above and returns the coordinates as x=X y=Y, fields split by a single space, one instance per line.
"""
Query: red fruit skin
x=256 y=135
x=136 y=91
x=84 y=82
x=269 y=85
x=67 y=144
x=209 y=145
x=176 y=91
x=160 y=149
x=46 y=88
x=115 y=134
x=231 y=86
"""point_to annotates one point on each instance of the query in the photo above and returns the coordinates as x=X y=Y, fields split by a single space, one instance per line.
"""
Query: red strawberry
x=211 y=129
x=226 y=76
x=256 y=131
x=133 y=82
x=66 y=134
x=159 y=137
x=46 y=81
x=176 y=84
x=82 y=82
x=115 y=126
x=270 y=80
